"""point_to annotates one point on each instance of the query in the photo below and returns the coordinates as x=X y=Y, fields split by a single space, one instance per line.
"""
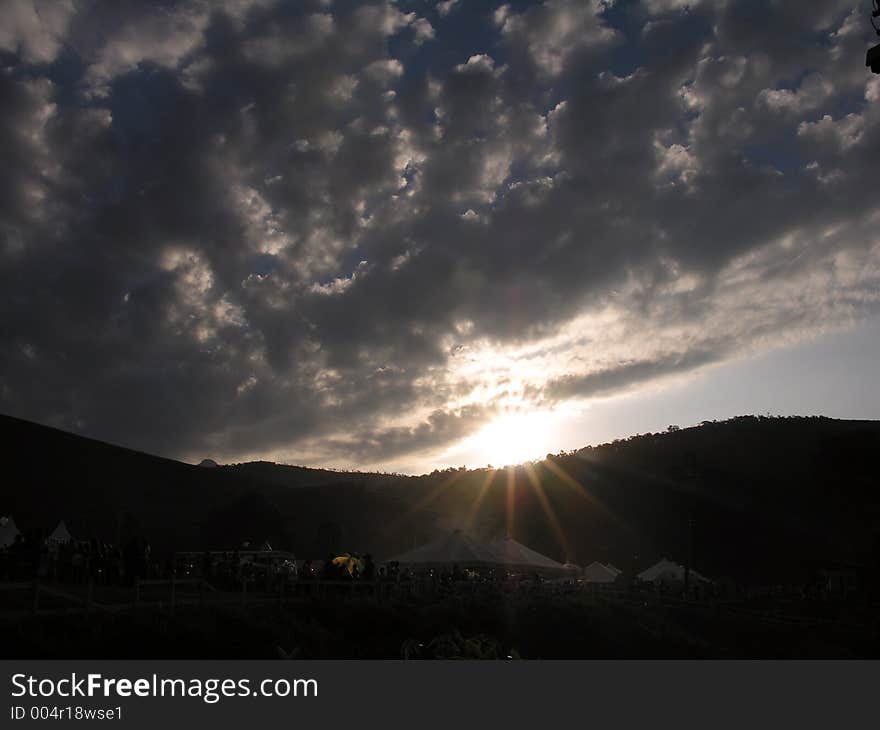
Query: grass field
x=512 y=626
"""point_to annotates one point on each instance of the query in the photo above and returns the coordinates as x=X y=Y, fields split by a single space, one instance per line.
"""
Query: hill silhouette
x=758 y=499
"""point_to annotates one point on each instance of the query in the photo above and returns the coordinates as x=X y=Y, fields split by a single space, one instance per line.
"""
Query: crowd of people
x=278 y=571
x=84 y=561
x=272 y=571
x=79 y=562
x=92 y=561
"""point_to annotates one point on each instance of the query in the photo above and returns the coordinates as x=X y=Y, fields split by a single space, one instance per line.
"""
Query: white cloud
x=444 y=7
x=35 y=28
x=553 y=31
x=842 y=133
x=813 y=91
x=161 y=36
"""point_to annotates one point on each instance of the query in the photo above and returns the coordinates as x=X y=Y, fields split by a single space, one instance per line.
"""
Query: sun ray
x=580 y=489
x=478 y=500
x=549 y=512
x=511 y=497
x=426 y=500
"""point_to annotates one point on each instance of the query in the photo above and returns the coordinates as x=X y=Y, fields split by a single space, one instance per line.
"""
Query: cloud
x=550 y=33
x=621 y=375
x=342 y=232
x=35 y=29
x=444 y=7
x=133 y=36
x=437 y=429
x=813 y=91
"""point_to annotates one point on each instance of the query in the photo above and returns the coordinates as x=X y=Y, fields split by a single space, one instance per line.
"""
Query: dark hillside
x=285 y=476
x=757 y=499
x=754 y=498
x=114 y=493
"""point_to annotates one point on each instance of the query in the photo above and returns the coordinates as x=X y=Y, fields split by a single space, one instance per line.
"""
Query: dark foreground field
x=528 y=626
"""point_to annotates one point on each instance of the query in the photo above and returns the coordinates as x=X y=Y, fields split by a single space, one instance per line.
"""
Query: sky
x=410 y=235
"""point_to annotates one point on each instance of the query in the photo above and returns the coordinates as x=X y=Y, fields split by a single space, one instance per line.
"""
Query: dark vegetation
x=756 y=499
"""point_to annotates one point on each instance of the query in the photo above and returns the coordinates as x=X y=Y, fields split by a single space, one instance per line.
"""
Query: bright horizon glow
x=513 y=438
x=833 y=375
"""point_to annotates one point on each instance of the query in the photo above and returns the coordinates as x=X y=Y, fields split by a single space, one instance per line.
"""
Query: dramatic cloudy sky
x=411 y=234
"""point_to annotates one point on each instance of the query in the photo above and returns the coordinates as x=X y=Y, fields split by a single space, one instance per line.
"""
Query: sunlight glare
x=514 y=438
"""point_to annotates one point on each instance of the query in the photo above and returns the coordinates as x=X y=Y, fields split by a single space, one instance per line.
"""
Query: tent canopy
x=454 y=548
x=666 y=570
x=514 y=554
x=457 y=548
x=60 y=534
x=8 y=531
x=597 y=572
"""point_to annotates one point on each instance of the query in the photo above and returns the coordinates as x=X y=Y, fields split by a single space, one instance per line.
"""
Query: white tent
x=457 y=548
x=515 y=555
x=614 y=570
x=597 y=572
x=8 y=531
x=665 y=571
x=60 y=534
x=454 y=548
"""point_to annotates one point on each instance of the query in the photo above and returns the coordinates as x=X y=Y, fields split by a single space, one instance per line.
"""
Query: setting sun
x=513 y=438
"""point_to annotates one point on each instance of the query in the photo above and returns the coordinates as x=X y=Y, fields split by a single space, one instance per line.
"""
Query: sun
x=513 y=438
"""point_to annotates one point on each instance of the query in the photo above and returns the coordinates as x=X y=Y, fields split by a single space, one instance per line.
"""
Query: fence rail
x=169 y=593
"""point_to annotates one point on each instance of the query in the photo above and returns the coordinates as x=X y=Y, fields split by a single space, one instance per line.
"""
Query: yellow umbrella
x=349 y=562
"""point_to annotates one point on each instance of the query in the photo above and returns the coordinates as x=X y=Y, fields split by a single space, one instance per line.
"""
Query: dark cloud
x=621 y=376
x=325 y=231
x=439 y=429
